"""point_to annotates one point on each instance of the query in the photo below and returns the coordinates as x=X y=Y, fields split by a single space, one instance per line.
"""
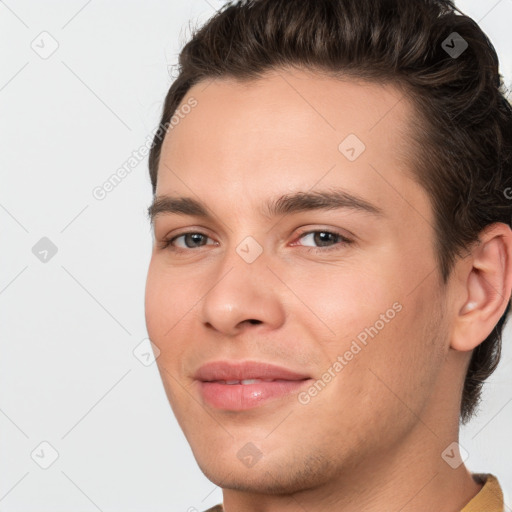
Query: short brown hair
x=462 y=144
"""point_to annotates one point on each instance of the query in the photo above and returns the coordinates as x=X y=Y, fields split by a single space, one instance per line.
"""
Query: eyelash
x=167 y=243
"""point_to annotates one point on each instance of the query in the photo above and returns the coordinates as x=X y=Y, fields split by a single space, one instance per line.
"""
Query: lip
x=236 y=397
x=228 y=370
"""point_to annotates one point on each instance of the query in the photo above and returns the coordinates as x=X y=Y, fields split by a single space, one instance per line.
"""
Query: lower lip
x=239 y=397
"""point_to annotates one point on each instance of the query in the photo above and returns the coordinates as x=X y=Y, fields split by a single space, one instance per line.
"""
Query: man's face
x=361 y=318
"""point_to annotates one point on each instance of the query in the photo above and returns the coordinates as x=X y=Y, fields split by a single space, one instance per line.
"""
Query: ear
x=486 y=284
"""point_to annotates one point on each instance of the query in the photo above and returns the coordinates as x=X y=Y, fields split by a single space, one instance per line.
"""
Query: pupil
x=196 y=237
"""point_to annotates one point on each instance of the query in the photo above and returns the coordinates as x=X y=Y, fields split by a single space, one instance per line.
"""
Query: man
x=332 y=266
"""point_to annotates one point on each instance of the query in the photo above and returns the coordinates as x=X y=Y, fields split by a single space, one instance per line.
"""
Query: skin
x=372 y=439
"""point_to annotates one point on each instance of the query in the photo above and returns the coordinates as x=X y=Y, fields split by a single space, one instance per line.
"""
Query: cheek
x=370 y=316
x=342 y=301
x=164 y=303
x=399 y=364
x=169 y=311
x=154 y=302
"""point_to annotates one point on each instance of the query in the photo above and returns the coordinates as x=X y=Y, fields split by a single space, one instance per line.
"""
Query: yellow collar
x=490 y=497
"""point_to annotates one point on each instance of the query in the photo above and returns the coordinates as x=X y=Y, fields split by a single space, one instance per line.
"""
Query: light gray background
x=68 y=375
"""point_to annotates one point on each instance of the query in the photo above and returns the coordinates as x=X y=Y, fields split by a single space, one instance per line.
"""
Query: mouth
x=246 y=382
x=230 y=386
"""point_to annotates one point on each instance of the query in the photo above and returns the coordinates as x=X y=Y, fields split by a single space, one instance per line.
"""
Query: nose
x=242 y=296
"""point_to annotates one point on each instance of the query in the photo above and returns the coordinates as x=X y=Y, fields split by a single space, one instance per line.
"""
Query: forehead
x=291 y=130
x=306 y=104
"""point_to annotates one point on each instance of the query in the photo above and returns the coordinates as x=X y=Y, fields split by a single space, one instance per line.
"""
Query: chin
x=268 y=476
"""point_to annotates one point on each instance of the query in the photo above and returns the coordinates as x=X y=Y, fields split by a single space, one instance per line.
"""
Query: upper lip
x=231 y=370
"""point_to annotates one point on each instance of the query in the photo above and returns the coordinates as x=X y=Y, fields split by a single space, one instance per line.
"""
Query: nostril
x=254 y=321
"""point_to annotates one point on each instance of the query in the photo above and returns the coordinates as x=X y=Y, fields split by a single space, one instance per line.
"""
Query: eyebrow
x=287 y=204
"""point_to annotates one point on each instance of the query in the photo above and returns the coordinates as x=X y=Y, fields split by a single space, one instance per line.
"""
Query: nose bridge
x=243 y=290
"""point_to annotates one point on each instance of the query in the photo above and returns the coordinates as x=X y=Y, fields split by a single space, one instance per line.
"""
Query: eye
x=190 y=240
x=326 y=240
